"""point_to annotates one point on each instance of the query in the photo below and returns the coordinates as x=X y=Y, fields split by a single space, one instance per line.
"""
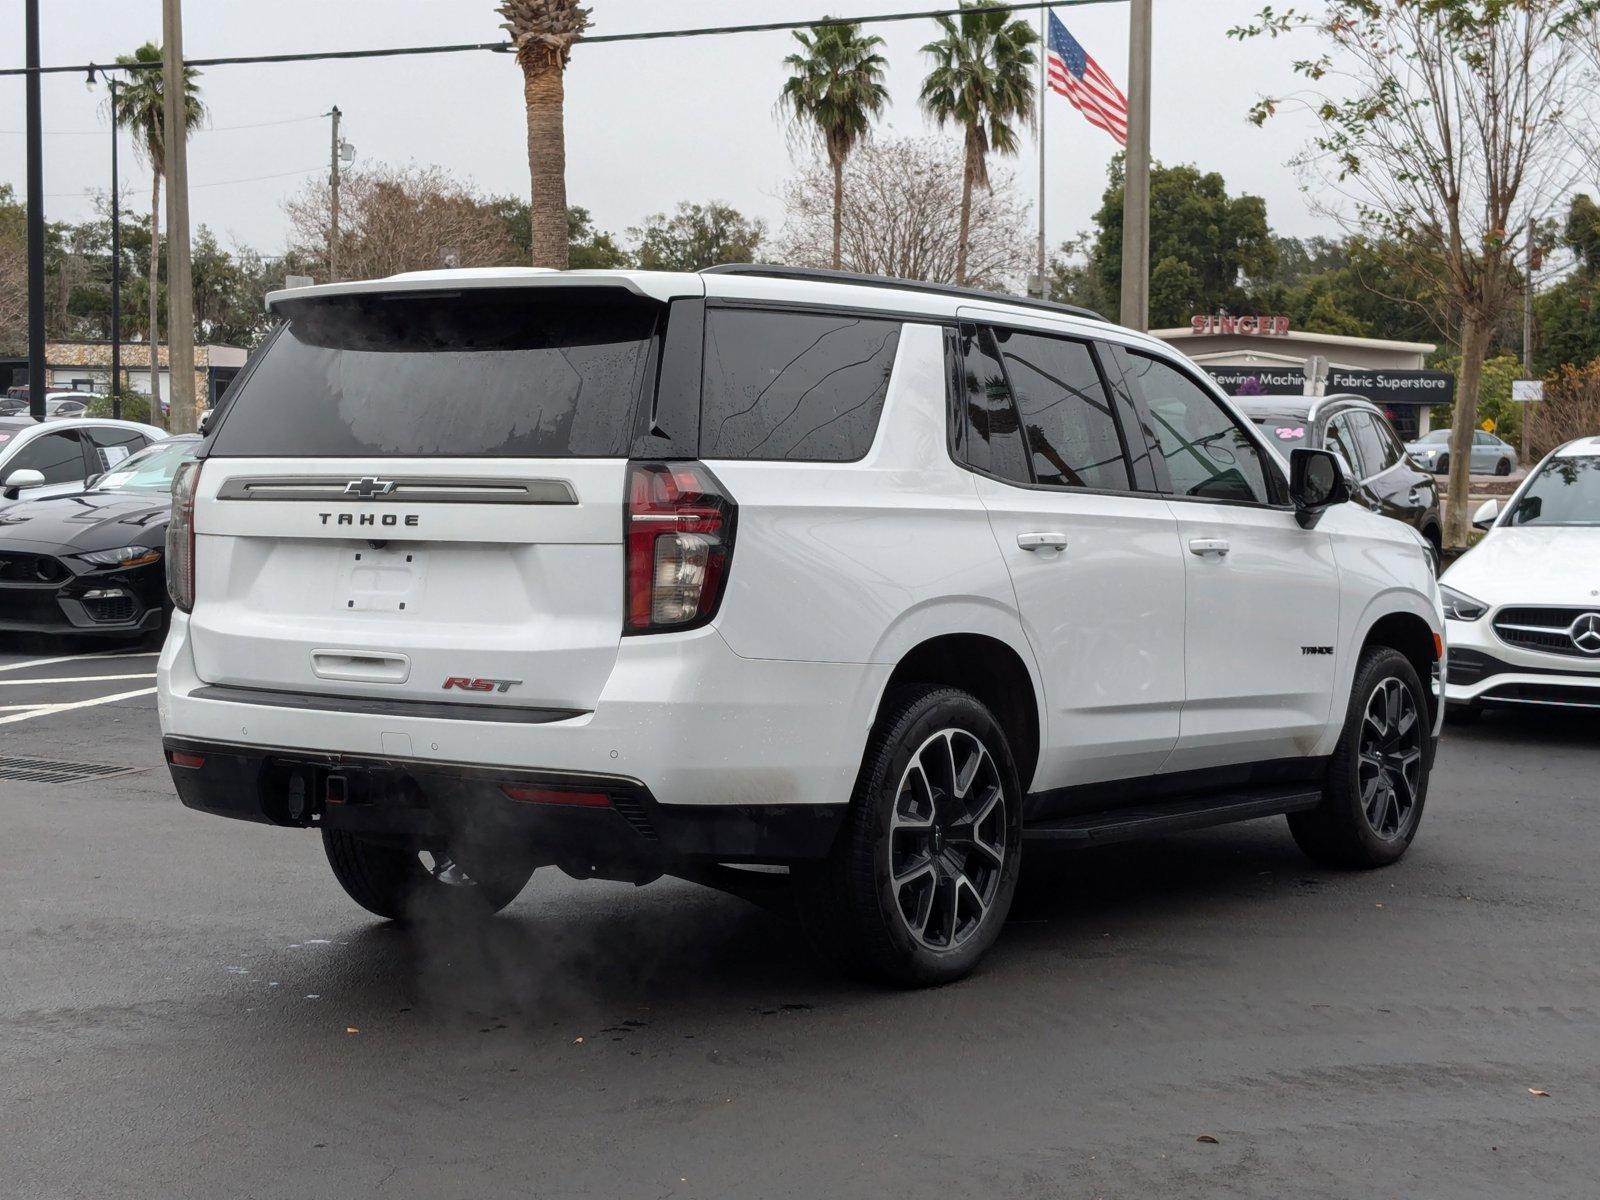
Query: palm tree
x=542 y=33
x=139 y=110
x=834 y=90
x=982 y=81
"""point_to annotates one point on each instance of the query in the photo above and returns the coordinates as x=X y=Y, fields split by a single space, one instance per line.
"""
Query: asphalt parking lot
x=192 y=1008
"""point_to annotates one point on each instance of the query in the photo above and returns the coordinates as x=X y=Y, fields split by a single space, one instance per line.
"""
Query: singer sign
x=1270 y=326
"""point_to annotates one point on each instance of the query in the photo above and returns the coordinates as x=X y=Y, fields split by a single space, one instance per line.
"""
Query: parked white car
x=640 y=574
x=1523 y=606
x=53 y=458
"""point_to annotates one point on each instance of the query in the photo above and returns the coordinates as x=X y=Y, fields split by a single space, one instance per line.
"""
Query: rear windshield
x=491 y=373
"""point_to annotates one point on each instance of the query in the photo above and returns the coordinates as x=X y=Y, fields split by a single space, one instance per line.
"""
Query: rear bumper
x=692 y=723
x=587 y=824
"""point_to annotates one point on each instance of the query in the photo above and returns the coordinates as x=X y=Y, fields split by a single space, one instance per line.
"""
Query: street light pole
x=180 y=276
x=1136 y=181
x=333 y=184
x=116 y=264
x=35 y=143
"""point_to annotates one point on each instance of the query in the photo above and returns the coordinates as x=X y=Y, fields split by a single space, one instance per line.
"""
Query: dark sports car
x=91 y=563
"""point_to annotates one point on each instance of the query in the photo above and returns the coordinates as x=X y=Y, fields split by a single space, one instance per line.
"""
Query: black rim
x=947 y=839
x=1389 y=772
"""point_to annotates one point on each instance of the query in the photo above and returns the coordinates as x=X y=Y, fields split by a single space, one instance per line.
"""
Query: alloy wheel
x=1389 y=770
x=947 y=839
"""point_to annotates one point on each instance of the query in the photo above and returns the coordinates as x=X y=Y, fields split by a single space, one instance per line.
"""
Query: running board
x=1172 y=816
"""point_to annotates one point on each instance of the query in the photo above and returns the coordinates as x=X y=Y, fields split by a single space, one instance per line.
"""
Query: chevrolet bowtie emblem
x=369 y=487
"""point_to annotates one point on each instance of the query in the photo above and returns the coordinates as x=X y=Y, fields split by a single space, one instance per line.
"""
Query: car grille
x=30 y=568
x=1548 y=630
x=113 y=608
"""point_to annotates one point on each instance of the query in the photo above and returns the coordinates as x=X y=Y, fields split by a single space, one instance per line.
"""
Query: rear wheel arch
x=993 y=672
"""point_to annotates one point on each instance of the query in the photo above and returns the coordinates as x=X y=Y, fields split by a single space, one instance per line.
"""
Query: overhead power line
x=593 y=40
x=203 y=129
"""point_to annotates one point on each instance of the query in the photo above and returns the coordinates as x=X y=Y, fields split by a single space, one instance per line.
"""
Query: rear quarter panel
x=859 y=562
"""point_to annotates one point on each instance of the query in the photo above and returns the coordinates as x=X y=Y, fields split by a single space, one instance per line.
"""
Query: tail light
x=180 y=536
x=679 y=536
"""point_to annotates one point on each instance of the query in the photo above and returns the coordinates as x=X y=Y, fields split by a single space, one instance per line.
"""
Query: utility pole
x=1136 y=183
x=116 y=264
x=333 y=184
x=1044 y=91
x=35 y=142
x=180 y=279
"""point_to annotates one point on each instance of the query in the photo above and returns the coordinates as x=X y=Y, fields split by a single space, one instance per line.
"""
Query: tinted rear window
x=796 y=386
x=505 y=374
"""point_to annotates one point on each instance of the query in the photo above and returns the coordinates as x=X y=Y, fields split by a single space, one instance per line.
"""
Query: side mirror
x=1317 y=482
x=18 y=480
x=1486 y=515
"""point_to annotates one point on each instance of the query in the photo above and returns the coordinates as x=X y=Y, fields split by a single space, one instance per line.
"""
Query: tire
x=1443 y=465
x=1435 y=542
x=907 y=809
x=1503 y=467
x=1462 y=714
x=394 y=883
x=1342 y=831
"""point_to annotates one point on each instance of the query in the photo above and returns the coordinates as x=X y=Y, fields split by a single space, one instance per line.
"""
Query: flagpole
x=1044 y=92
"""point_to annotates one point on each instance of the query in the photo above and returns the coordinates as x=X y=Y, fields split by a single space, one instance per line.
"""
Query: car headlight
x=123 y=556
x=1458 y=606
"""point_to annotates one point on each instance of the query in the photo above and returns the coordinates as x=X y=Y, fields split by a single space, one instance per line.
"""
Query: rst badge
x=462 y=683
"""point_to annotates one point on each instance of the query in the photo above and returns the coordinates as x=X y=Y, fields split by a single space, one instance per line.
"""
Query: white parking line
x=50 y=709
x=45 y=662
x=72 y=679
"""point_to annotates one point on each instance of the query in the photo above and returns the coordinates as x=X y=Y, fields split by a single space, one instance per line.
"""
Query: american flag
x=1079 y=78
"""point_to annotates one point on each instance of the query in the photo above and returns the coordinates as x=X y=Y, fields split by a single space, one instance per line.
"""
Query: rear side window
x=995 y=445
x=498 y=373
x=112 y=446
x=801 y=387
x=1064 y=410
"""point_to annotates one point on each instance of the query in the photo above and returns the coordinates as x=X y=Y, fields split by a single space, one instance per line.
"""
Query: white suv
x=876 y=582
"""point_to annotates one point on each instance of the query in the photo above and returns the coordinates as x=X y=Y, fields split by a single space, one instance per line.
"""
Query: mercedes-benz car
x=1523 y=607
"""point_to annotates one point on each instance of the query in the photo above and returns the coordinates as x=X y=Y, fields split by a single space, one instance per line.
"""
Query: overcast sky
x=648 y=124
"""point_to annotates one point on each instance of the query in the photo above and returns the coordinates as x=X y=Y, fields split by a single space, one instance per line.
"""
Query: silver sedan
x=1490 y=455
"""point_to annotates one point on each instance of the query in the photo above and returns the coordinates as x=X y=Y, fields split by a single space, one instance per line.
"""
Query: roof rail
x=823 y=275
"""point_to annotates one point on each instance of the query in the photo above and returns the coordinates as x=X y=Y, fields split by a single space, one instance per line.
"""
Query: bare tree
x=13 y=274
x=1442 y=127
x=400 y=219
x=902 y=216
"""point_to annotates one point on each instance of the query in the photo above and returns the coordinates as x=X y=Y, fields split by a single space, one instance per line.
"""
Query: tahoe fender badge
x=1309 y=650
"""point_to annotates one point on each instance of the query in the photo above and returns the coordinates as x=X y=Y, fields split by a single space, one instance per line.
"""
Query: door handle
x=1042 y=541
x=1204 y=546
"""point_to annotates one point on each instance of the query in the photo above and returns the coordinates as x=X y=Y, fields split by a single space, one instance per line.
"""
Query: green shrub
x=135 y=407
